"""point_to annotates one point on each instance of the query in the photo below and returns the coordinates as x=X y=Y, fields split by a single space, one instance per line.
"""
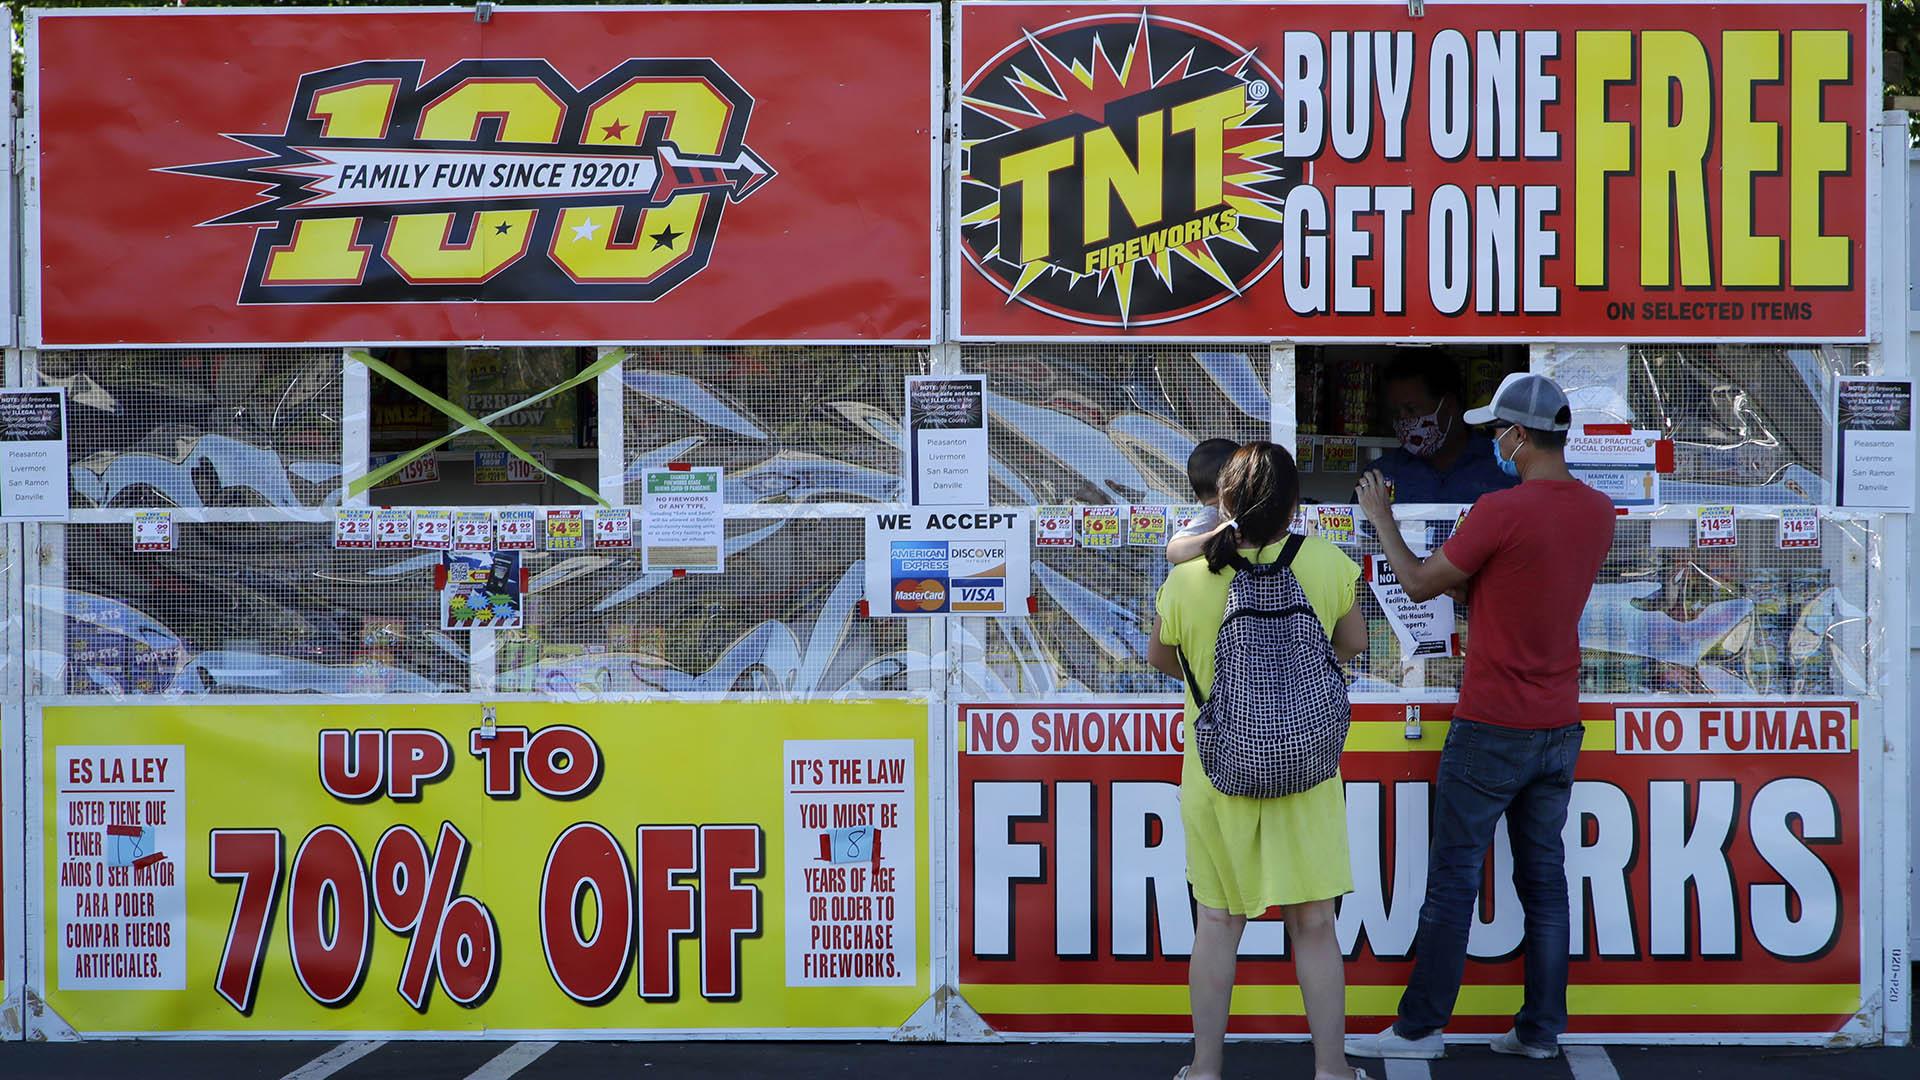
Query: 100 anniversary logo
x=494 y=173
x=1122 y=170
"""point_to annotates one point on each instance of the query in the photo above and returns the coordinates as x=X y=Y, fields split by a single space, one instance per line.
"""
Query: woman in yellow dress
x=1244 y=855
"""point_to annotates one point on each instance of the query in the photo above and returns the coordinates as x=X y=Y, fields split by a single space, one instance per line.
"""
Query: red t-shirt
x=1533 y=551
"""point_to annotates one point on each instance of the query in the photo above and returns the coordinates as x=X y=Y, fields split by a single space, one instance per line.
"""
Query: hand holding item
x=1375 y=500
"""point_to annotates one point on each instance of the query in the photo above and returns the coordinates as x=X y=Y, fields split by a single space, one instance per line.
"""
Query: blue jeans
x=1486 y=771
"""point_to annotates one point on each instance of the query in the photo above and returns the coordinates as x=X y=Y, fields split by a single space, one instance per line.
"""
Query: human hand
x=1371 y=494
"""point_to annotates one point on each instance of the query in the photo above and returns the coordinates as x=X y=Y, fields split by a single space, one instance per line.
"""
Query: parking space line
x=1590 y=1063
x=1407 y=1069
x=511 y=1060
x=335 y=1059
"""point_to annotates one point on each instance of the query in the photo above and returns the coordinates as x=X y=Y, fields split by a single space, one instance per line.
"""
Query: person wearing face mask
x=1528 y=558
x=1439 y=460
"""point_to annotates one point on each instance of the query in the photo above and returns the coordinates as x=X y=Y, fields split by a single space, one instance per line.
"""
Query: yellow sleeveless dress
x=1247 y=855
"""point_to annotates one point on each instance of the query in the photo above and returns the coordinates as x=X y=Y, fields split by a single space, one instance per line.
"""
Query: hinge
x=483 y=12
x=1416 y=8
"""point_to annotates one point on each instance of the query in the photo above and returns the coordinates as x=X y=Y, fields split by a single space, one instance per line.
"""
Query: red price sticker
x=392 y=528
x=1715 y=528
x=152 y=530
x=353 y=528
x=513 y=531
x=1799 y=527
x=472 y=530
x=1054 y=527
x=433 y=530
x=613 y=529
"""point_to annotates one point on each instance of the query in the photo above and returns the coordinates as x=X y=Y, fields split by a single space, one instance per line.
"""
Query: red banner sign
x=1633 y=171
x=670 y=175
x=1713 y=864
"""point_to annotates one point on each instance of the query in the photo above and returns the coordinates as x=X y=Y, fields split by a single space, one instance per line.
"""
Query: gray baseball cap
x=1532 y=401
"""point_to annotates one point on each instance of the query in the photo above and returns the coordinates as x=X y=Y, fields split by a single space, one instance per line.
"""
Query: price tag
x=613 y=528
x=392 y=528
x=566 y=530
x=1334 y=524
x=513 y=531
x=1302 y=522
x=1303 y=453
x=1147 y=526
x=1100 y=526
x=152 y=530
x=353 y=528
x=472 y=530
x=1054 y=526
x=1799 y=527
x=433 y=530
x=1461 y=519
x=1339 y=454
x=1715 y=527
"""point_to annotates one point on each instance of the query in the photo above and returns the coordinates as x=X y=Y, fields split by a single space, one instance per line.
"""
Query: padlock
x=1412 y=728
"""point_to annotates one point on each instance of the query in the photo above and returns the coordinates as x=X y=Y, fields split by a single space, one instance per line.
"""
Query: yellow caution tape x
x=469 y=422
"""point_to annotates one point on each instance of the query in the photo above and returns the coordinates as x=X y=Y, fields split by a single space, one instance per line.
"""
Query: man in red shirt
x=1527 y=557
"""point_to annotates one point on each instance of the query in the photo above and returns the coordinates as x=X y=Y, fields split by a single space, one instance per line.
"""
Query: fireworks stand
x=656 y=537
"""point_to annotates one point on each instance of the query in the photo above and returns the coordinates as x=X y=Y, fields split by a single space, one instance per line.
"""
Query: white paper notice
x=1055 y=526
x=947 y=423
x=153 y=530
x=473 y=530
x=1670 y=533
x=1423 y=629
x=353 y=528
x=1876 y=443
x=513 y=530
x=850 y=863
x=683 y=523
x=612 y=528
x=33 y=454
x=120 y=853
x=1799 y=527
x=1624 y=468
x=392 y=527
x=1715 y=527
x=433 y=529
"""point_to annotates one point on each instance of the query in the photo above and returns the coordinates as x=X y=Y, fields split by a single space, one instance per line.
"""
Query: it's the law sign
x=1797 y=728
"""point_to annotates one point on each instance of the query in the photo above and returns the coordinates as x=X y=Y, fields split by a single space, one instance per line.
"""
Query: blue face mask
x=1507 y=464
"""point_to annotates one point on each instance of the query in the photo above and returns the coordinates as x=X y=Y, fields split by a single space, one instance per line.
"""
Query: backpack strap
x=1292 y=548
x=1192 y=683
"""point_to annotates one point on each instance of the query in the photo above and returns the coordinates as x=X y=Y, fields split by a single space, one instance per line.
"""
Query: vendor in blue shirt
x=1439 y=459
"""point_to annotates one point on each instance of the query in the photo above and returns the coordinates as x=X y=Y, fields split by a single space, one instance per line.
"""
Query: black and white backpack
x=1278 y=716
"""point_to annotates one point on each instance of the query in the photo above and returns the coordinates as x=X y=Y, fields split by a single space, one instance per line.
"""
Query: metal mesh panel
x=201 y=427
x=1749 y=423
x=783 y=620
x=790 y=424
x=247 y=608
x=1751 y=620
x=1101 y=424
x=1093 y=425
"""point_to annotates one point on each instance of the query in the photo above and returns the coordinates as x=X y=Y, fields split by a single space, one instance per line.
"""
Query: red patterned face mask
x=1423 y=435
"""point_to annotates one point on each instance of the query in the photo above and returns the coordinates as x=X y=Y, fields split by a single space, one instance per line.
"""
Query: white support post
x=356 y=427
x=612 y=422
x=1894 y=745
x=1282 y=425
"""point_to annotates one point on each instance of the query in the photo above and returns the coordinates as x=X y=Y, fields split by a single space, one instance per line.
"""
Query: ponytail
x=1223 y=550
x=1259 y=487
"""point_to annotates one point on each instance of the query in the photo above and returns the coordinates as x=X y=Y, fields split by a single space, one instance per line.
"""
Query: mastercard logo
x=927 y=595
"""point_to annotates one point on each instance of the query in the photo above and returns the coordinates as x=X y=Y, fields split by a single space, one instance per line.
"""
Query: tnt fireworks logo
x=494 y=174
x=1122 y=170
